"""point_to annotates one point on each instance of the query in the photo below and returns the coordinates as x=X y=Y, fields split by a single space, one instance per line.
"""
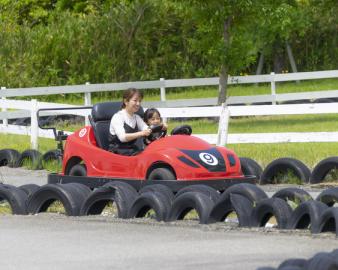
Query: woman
x=126 y=126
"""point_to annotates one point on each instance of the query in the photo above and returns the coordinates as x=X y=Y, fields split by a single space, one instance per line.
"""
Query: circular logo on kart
x=82 y=132
x=208 y=159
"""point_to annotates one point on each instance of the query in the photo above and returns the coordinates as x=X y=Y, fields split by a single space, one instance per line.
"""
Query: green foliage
x=56 y=42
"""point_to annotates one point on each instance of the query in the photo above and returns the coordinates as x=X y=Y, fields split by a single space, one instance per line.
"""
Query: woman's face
x=133 y=105
x=154 y=120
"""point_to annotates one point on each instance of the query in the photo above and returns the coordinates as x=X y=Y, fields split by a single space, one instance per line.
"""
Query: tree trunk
x=223 y=76
x=223 y=85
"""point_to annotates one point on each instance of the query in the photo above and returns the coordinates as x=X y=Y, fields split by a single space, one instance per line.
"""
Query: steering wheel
x=182 y=130
x=156 y=133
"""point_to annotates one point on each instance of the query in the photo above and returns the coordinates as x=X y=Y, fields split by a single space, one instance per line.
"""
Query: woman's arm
x=133 y=136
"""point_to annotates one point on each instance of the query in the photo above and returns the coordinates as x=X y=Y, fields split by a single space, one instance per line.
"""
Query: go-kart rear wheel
x=78 y=170
x=161 y=174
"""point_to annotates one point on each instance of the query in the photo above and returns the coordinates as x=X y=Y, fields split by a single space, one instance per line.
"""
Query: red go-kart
x=181 y=158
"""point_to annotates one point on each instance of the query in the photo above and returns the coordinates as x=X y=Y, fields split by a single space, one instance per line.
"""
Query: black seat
x=100 y=120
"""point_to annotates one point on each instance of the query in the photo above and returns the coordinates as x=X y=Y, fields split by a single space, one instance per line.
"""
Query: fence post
x=163 y=98
x=4 y=121
x=34 y=124
x=273 y=88
x=162 y=90
x=87 y=102
x=222 y=135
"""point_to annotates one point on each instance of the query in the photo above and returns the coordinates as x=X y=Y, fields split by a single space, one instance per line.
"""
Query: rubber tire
x=9 y=157
x=236 y=203
x=282 y=164
x=78 y=170
x=293 y=194
x=272 y=206
x=250 y=191
x=33 y=155
x=204 y=189
x=117 y=192
x=191 y=200
x=16 y=198
x=161 y=174
x=52 y=155
x=328 y=196
x=322 y=261
x=151 y=200
x=322 y=168
x=305 y=214
x=166 y=191
x=325 y=222
x=251 y=167
x=29 y=189
x=70 y=195
x=293 y=262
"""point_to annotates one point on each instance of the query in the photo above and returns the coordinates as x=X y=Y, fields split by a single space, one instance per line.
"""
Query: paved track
x=56 y=242
x=50 y=241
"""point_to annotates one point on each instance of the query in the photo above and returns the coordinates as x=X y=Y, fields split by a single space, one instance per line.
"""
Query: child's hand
x=165 y=126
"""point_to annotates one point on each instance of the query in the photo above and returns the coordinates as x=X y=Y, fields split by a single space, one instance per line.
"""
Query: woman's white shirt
x=121 y=117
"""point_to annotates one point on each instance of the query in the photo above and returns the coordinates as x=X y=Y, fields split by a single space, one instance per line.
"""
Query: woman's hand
x=146 y=132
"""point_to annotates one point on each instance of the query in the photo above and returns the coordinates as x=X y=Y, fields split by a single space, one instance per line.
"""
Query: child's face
x=154 y=120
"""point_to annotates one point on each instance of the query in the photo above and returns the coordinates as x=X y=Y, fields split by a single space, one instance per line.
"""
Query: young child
x=152 y=117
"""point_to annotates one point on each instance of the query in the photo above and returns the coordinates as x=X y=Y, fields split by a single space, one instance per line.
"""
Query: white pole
x=273 y=88
x=222 y=135
x=34 y=124
x=87 y=102
x=4 y=121
x=162 y=90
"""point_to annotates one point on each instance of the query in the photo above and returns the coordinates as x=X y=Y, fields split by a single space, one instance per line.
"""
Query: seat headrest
x=104 y=111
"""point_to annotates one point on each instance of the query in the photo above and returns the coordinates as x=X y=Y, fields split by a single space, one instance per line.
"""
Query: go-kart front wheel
x=161 y=174
x=78 y=170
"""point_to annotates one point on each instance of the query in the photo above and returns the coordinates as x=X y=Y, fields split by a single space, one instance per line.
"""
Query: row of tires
x=252 y=206
x=320 y=261
x=13 y=158
x=283 y=166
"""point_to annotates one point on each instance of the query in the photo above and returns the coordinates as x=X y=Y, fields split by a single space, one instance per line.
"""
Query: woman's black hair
x=149 y=114
x=128 y=94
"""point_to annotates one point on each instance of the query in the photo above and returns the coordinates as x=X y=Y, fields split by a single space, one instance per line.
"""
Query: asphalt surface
x=51 y=241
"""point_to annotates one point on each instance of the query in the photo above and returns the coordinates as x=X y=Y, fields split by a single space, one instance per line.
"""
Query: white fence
x=29 y=108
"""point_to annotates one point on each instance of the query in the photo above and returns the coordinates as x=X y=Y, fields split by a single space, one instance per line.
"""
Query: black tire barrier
x=324 y=100
x=15 y=197
x=33 y=155
x=250 y=167
x=71 y=196
x=52 y=155
x=166 y=191
x=293 y=262
x=320 y=171
x=295 y=195
x=328 y=221
x=250 y=191
x=306 y=215
x=267 y=208
x=9 y=157
x=328 y=196
x=151 y=200
x=320 y=261
x=187 y=201
x=210 y=192
x=234 y=203
x=282 y=165
x=29 y=189
x=122 y=194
